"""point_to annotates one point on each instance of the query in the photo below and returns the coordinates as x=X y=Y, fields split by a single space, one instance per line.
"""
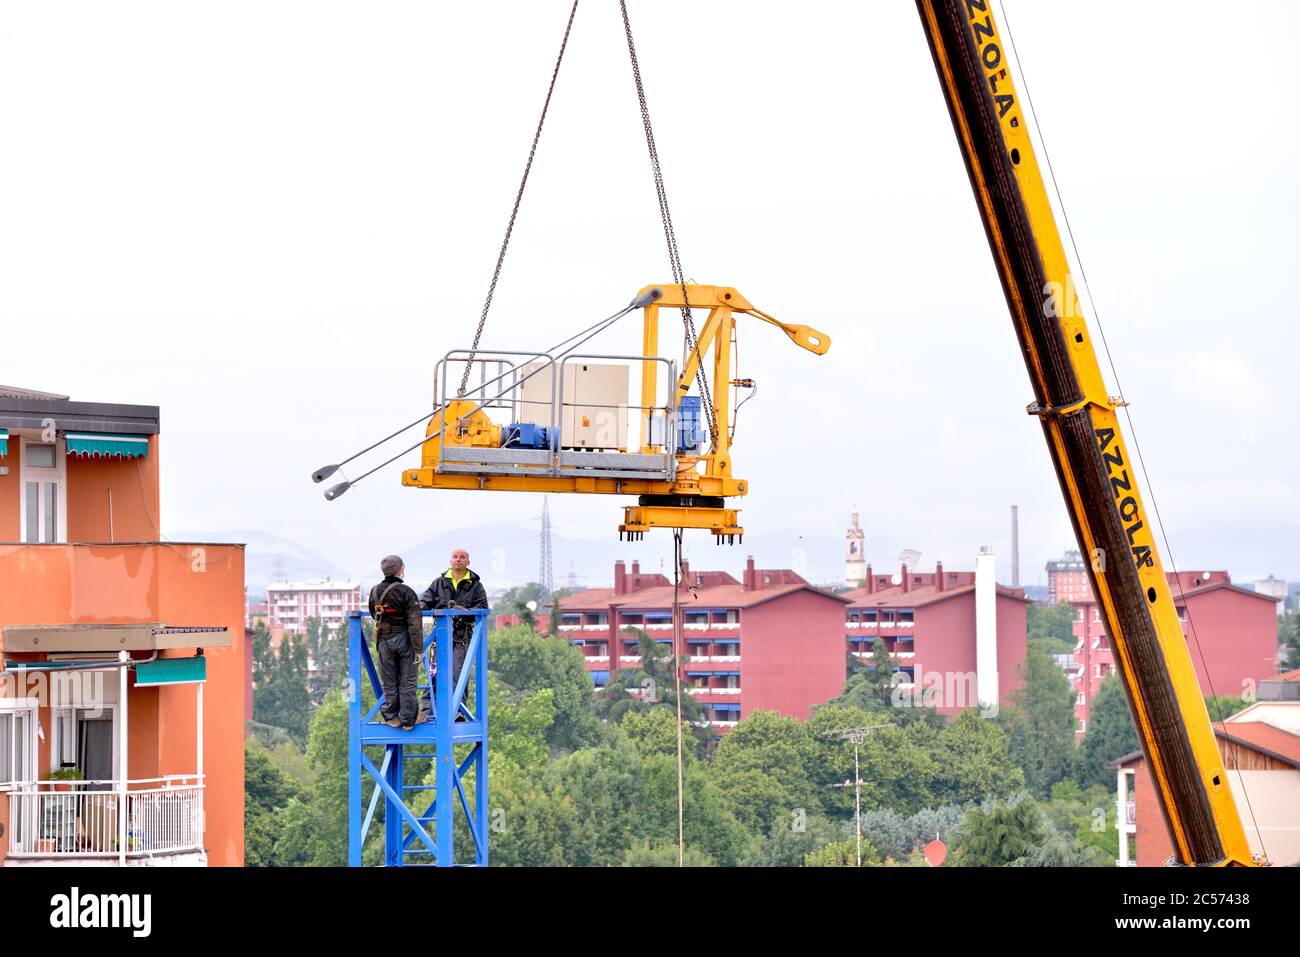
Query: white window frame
x=28 y=707
x=42 y=475
x=58 y=716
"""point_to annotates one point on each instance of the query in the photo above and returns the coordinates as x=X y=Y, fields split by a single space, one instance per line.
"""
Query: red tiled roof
x=924 y=595
x=1214 y=586
x=588 y=598
x=1256 y=735
x=1286 y=676
x=1263 y=737
x=719 y=596
x=710 y=579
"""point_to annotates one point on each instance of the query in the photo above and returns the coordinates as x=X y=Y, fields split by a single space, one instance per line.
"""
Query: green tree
x=266 y=790
x=655 y=732
x=1110 y=734
x=973 y=762
x=898 y=836
x=315 y=629
x=330 y=656
x=648 y=854
x=1288 y=635
x=998 y=835
x=515 y=602
x=1221 y=708
x=607 y=789
x=843 y=854
x=519 y=723
x=709 y=818
x=1041 y=722
x=759 y=766
x=651 y=684
x=791 y=840
x=1083 y=826
x=1052 y=627
x=896 y=764
x=314 y=825
x=873 y=686
x=528 y=662
x=283 y=699
x=531 y=826
x=263 y=654
x=871 y=682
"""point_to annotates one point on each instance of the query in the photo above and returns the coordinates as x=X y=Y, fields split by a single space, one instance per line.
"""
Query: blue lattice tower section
x=382 y=760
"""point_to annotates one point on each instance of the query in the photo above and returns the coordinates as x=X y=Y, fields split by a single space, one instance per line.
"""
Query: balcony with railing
x=81 y=822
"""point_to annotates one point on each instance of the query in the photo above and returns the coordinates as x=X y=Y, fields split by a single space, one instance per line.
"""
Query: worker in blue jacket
x=458 y=587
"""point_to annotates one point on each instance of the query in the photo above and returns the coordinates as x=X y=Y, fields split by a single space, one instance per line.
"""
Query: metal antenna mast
x=545 y=573
x=857 y=736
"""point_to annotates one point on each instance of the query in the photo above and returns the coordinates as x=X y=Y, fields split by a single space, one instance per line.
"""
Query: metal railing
x=508 y=395
x=72 y=819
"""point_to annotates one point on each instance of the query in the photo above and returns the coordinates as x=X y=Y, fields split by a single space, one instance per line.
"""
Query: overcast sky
x=269 y=218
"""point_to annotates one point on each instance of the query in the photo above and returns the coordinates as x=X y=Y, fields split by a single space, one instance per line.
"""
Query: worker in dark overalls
x=399 y=641
x=457 y=587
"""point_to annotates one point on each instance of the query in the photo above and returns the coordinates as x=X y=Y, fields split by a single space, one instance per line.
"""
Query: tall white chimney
x=1015 y=546
x=986 y=629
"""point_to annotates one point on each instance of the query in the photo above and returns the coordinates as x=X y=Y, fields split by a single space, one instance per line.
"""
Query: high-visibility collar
x=455 y=582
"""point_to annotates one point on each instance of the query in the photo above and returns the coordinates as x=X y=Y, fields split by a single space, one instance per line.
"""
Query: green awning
x=172 y=671
x=106 y=444
x=4 y=441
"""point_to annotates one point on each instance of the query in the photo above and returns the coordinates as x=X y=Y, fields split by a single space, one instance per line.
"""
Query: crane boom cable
x=670 y=235
x=1128 y=415
x=677 y=695
x=592 y=331
x=514 y=212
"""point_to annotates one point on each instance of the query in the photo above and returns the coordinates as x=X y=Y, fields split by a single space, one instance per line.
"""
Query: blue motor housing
x=690 y=434
x=525 y=435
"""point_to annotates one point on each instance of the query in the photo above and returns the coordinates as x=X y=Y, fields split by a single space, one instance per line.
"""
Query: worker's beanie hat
x=391 y=565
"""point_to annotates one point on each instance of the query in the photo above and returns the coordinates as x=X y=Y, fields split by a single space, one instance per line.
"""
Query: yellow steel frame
x=708 y=475
x=1102 y=408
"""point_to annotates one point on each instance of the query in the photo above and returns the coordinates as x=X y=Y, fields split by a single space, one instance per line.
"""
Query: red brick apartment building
x=773 y=641
x=958 y=637
x=770 y=641
x=145 y=722
x=1067 y=578
x=1234 y=646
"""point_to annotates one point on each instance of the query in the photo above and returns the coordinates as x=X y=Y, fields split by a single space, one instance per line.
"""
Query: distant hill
x=268 y=558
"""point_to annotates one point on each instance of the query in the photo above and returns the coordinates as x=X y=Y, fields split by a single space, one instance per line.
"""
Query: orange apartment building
x=124 y=656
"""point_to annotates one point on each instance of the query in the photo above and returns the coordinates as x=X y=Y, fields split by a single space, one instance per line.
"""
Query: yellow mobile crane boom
x=1079 y=421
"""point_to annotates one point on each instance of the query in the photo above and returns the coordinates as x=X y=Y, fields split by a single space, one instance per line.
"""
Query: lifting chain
x=505 y=243
x=674 y=258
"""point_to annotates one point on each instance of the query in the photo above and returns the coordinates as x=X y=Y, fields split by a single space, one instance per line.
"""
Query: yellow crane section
x=683 y=477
